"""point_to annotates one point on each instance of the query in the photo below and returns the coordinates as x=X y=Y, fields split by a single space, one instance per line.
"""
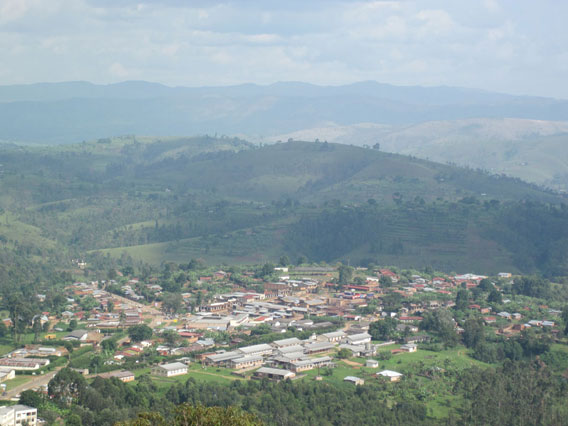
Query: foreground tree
x=189 y=415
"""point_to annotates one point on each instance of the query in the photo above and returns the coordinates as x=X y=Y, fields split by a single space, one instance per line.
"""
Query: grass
x=18 y=380
x=208 y=374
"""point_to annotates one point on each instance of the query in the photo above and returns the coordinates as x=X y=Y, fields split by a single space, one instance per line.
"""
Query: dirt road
x=34 y=383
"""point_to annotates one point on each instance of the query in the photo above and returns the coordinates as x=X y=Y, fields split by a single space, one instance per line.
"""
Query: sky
x=510 y=46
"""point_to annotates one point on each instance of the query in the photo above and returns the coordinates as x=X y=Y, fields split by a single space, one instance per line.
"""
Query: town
x=335 y=324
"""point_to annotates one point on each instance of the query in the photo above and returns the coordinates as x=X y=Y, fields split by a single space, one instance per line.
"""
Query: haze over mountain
x=75 y=111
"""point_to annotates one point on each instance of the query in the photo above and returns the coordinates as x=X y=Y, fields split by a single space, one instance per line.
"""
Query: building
x=18 y=415
x=409 y=347
x=392 y=376
x=318 y=347
x=359 y=339
x=372 y=363
x=248 y=361
x=275 y=374
x=332 y=337
x=284 y=343
x=124 y=375
x=170 y=370
x=80 y=335
x=221 y=359
x=262 y=349
x=355 y=380
x=310 y=364
x=23 y=363
x=7 y=374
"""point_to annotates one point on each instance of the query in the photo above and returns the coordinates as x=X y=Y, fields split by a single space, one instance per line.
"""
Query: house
x=248 y=361
x=310 y=364
x=222 y=358
x=390 y=375
x=334 y=336
x=318 y=347
x=24 y=363
x=275 y=374
x=359 y=339
x=7 y=374
x=283 y=343
x=355 y=380
x=124 y=375
x=170 y=370
x=409 y=347
x=80 y=335
x=262 y=349
x=17 y=415
x=372 y=363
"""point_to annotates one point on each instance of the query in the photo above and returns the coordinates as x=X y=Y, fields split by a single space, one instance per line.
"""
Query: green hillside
x=228 y=201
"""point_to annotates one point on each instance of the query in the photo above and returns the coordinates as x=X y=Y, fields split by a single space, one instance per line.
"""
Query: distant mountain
x=533 y=150
x=76 y=111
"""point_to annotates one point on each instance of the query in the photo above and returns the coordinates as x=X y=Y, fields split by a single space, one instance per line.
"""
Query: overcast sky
x=515 y=46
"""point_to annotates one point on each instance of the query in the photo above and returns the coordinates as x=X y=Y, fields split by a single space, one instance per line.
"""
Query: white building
x=17 y=415
x=170 y=370
x=359 y=339
x=393 y=376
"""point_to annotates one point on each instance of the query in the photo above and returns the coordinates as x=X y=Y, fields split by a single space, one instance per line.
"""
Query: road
x=34 y=383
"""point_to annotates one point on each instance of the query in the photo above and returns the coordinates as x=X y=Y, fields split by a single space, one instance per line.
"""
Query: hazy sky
x=515 y=46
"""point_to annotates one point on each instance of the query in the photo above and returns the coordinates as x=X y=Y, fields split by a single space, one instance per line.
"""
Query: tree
x=284 y=260
x=377 y=146
x=139 y=332
x=36 y=327
x=170 y=337
x=31 y=398
x=72 y=325
x=189 y=415
x=343 y=353
x=67 y=386
x=462 y=300
x=110 y=306
x=495 y=297
x=532 y=287
x=486 y=285
x=171 y=303
x=442 y=324
x=301 y=260
x=385 y=281
x=267 y=269
x=473 y=333
x=109 y=345
x=382 y=329
x=345 y=274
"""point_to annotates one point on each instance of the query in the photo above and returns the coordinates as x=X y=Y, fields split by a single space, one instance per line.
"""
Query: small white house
x=372 y=363
x=170 y=370
x=409 y=347
x=390 y=375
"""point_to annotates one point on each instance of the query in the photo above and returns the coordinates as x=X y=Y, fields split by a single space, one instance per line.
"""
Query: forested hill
x=226 y=200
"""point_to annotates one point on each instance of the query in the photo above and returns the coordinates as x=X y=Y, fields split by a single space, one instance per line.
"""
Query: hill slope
x=533 y=150
x=229 y=201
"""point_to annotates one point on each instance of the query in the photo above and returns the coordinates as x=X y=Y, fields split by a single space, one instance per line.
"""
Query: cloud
x=505 y=45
